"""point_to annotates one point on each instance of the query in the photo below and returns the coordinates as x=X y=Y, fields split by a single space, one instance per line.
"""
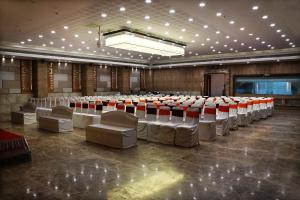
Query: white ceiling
x=27 y=19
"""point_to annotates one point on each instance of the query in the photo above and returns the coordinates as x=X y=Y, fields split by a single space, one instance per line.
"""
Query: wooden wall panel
x=50 y=73
x=76 y=78
x=25 y=76
x=192 y=78
x=114 y=80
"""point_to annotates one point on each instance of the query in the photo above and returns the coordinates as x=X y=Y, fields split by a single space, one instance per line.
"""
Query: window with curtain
x=275 y=85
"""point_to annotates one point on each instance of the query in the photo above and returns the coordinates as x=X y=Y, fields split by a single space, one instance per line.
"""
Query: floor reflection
x=255 y=162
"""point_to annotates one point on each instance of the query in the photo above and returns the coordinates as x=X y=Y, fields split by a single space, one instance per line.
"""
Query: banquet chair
x=207 y=125
x=242 y=113
x=187 y=134
x=233 y=122
x=222 y=123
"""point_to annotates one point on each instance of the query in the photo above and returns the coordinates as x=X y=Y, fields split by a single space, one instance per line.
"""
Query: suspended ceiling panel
x=205 y=29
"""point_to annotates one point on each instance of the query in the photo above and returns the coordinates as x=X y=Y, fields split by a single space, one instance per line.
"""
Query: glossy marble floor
x=261 y=161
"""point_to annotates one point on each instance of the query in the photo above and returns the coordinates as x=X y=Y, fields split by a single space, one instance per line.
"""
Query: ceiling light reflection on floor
x=153 y=183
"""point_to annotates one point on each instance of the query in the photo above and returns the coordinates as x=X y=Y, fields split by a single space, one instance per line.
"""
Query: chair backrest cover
x=192 y=115
x=62 y=111
x=28 y=107
x=130 y=108
x=119 y=118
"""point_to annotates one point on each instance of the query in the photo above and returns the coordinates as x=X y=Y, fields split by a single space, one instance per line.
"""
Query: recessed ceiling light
x=148 y=1
x=219 y=14
x=193 y=41
x=235 y=40
x=183 y=30
x=213 y=50
x=278 y=31
x=196 y=35
x=51 y=42
x=254 y=49
x=90 y=32
x=128 y=22
x=202 y=4
x=218 y=32
x=87 y=48
x=44 y=45
x=66 y=27
x=263 y=42
x=53 y=32
x=250 y=47
x=273 y=24
x=103 y=15
x=70 y=45
x=122 y=9
x=202 y=44
x=287 y=39
x=41 y=36
x=257 y=38
x=283 y=35
x=242 y=44
x=172 y=11
x=231 y=49
x=269 y=45
x=293 y=46
x=82 y=42
x=207 y=39
x=217 y=42
x=242 y=28
x=147 y=17
x=63 y=39
x=190 y=19
x=231 y=22
x=79 y=49
x=76 y=35
x=205 y=26
x=255 y=8
x=225 y=45
x=272 y=47
x=250 y=34
x=265 y=17
x=22 y=42
x=227 y=36
x=62 y=47
x=167 y=24
x=291 y=43
x=29 y=40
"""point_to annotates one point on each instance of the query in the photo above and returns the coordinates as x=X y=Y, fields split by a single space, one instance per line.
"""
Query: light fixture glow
x=147 y=17
x=41 y=36
x=167 y=24
x=265 y=17
x=53 y=32
x=141 y=43
x=231 y=22
x=201 y=4
x=205 y=26
x=255 y=8
x=148 y=1
x=219 y=14
x=153 y=184
x=122 y=9
x=272 y=25
x=66 y=27
x=103 y=15
x=172 y=11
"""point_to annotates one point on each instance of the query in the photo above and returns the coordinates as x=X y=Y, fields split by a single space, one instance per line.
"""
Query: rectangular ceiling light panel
x=143 y=44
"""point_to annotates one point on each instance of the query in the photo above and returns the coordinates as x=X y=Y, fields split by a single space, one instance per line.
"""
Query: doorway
x=214 y=84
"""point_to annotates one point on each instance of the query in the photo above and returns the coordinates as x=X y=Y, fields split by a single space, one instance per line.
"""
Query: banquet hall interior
x=150 y=99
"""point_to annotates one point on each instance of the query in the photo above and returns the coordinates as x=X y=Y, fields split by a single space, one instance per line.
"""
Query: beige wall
x=10 y=89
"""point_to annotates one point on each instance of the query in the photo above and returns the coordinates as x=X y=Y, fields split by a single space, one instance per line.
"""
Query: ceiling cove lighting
x=135 y=41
